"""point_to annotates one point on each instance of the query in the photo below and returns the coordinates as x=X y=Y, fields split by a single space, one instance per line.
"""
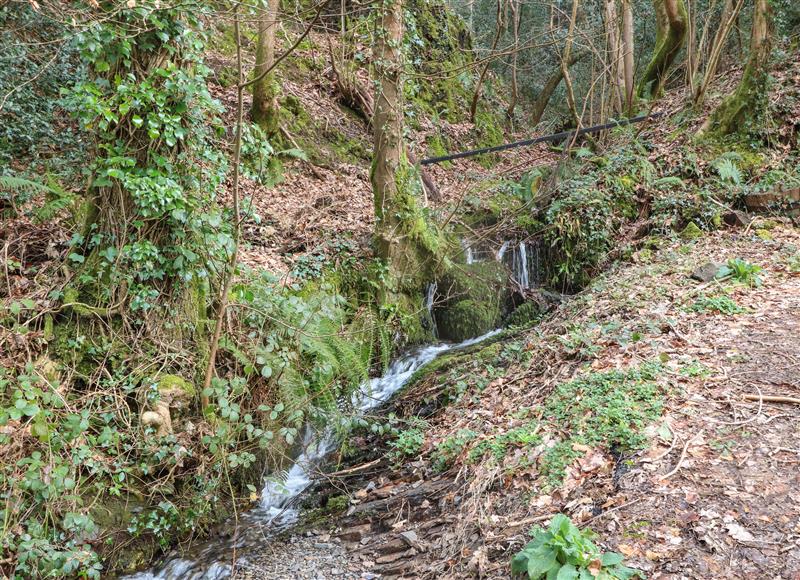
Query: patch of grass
x=720 y=304
x=609 y=409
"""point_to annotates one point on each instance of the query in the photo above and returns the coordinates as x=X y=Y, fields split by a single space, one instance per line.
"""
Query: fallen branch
x=773 y=399
x=683 y=456
x=351 y=470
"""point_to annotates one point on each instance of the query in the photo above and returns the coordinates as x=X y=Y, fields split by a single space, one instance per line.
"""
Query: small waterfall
x=430 y=297
x=522 y=273
x=502 y=251
x=277 y=511
x=524 y=259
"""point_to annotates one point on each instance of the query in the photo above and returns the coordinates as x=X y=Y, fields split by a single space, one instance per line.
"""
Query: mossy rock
x=473 y=298
x=466 y=319
x=524 y=315
x=172 y=383
x=691 y=232
x=480 y=281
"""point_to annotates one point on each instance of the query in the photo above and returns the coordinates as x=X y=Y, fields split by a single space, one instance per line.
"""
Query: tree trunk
x=549 y=88
x=565 y=68
x=745 y=109
x=702 y=52
x=671 y=25
x=265 y=111
x=516 y=9
x=728 y=17
x=355 y=95
x=627 y=53
x=614 y=60
x=403 y=236
x=473 y=107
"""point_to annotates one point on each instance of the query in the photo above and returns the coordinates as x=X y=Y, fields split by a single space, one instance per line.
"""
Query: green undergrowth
x=562 y=551
x=608 y=410
x=92 y=485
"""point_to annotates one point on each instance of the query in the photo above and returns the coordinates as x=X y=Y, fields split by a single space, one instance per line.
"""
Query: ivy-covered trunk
x=671 y=25
x=149 y=219
x=744 y=110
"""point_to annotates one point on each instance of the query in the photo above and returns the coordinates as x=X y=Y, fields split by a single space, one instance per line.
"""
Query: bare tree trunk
x=565 y=68
x=745 y=109
x=516 y=10
x=691 y=54
x=549 y=88
x=266 y=110
x=473 y=107
x=702 y=48
x=671 y=24
x=614 y=51
x=728 y=18
x=627 y=53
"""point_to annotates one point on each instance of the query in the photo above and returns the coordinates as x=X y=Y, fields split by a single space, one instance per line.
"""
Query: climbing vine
x=149 y=220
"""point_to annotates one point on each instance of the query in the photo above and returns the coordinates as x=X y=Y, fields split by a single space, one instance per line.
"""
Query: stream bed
x=278 y=510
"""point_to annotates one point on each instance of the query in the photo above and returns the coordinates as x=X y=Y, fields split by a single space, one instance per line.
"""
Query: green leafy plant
x=728 y=171
x=742 y=271
x=563 y=552
x=721 y=304
x=408 y=442
x=449 y=449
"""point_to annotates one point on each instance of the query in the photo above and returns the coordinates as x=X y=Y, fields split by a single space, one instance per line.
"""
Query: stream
x=277 y=510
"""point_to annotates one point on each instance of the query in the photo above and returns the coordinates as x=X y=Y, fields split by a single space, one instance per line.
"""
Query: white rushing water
x=523 y=258
x=277 y=510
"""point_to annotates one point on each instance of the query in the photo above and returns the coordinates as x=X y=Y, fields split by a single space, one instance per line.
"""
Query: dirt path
x=716 y=494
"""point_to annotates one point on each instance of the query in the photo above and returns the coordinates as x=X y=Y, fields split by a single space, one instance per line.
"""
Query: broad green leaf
x=567 y=572
x=540 y=563
x=611 y=559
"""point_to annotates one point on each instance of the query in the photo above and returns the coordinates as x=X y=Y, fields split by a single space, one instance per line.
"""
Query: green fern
x=728 y=170
x=19 y=190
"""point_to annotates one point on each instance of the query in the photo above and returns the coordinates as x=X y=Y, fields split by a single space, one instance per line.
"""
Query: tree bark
x=473 y=107
x=565 y=68
x=516 y=9
x=671 y=25
x=356 y=96
x=549 y=88
x=745 y=109
x=627 y=53
x=727 y=19
x=403 y=235
x=265 y=111
x=616 y=79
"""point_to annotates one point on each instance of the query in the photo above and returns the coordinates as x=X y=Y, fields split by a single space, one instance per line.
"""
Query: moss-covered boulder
x=524 y=315
x=472 y=300
x=466 y=319
x=691 y=232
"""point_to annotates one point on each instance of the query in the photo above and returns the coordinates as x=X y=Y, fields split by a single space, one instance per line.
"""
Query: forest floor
x=714 y=492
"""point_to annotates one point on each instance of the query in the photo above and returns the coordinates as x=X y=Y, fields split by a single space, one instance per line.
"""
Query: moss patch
x=474 y=297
